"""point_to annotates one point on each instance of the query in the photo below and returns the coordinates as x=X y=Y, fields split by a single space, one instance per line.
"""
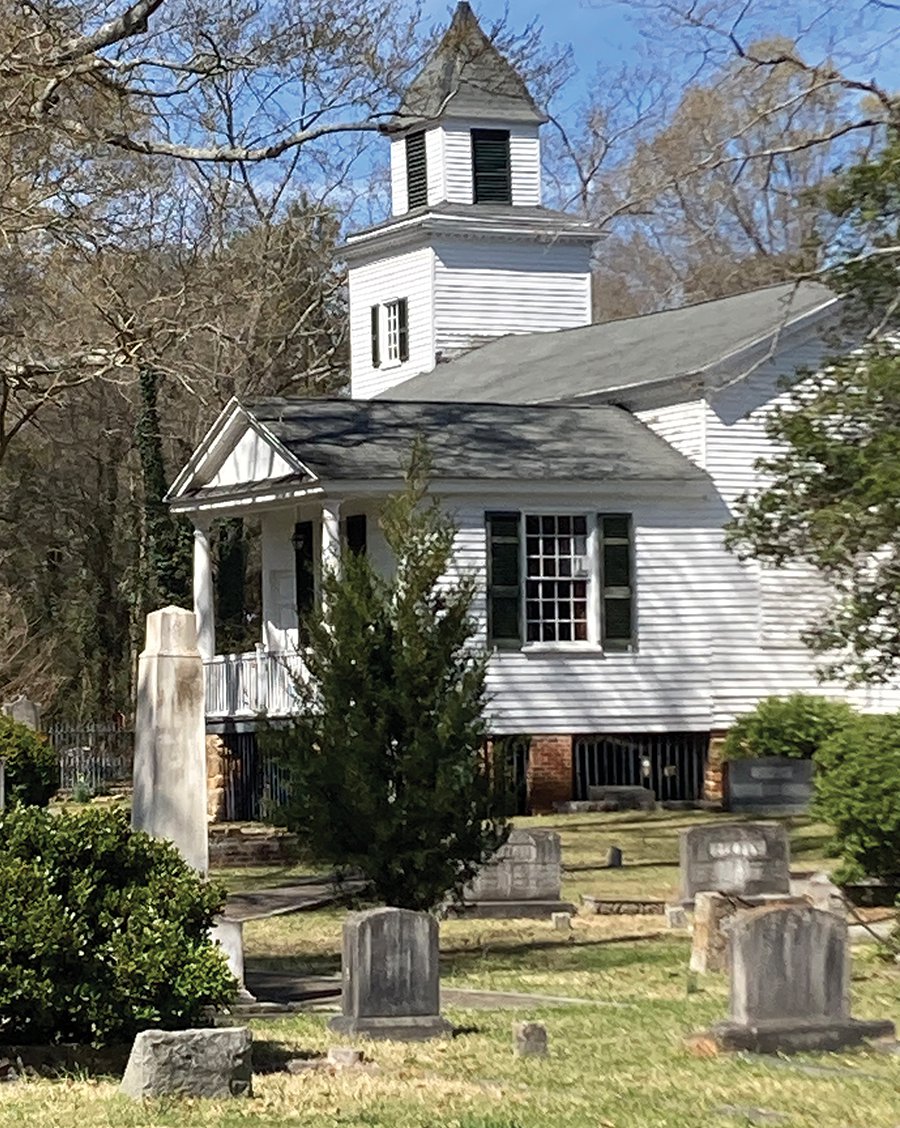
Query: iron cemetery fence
x=256 y=784
x=672 y=765
x=94 y=756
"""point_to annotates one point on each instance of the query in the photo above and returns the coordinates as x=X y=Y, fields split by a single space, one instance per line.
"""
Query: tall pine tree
x=389 y=774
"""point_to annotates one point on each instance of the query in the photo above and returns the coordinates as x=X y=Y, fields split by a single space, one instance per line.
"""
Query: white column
x=331 y=539
x=331 y=536
x=204 y=599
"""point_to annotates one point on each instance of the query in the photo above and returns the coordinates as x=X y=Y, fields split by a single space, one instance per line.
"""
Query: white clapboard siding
x=434 y=157
x=524 y=156
x=490 y=288
x=399 y=195
x=410 y=276
x=760 y=653
x=665 y=684
x=434 y=161
x=682 y=425
x=251 y=459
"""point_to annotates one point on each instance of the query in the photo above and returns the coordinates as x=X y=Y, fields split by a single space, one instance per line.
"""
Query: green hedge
x=32 y=772
x=858 y=794
x=792 y=726
x=103 y=931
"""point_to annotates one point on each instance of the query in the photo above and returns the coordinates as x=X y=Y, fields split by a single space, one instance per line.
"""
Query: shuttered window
x=504 y=580
x=356 y=534
x=562 y=578
x=376 y=336
x=416 y=171
x=616 y=545
x=397 y=335
x=491 y=176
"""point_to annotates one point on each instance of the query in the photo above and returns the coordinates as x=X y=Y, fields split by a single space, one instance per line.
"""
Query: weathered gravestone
x=772 y=785
x=391 y=982
x=523 y=879
x=23 y=712
x=714 y=913
x=170 y=737
x=743 y=859
x=790 y=984
x=189 y=1063
x=229 y=935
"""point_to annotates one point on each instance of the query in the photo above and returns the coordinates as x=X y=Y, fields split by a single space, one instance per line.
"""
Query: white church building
x=590 y=469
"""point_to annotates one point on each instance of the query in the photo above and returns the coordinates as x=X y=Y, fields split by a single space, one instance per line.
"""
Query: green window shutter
x=616 y=537
x=356 y=534
x=403 y=328
x=504 y=580
x=305 y=574
x=491 y=175
x=416 y=171
x=376 y=340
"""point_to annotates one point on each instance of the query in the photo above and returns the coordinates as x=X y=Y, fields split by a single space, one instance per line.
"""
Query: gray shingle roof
x=466 y=77
x=340 y=439
x=607 y=358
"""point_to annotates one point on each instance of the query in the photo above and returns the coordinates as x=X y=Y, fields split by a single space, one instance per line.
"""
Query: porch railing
x=253 y=685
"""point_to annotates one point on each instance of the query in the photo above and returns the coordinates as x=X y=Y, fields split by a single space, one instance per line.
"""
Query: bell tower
x=469 y=252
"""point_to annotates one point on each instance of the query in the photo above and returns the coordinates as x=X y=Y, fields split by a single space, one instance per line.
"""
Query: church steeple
x=466 y=77
x=470 y=253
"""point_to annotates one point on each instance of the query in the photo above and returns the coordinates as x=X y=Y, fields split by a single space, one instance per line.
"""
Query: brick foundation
x=713 y=781
x=549 y=772
x=215 y=779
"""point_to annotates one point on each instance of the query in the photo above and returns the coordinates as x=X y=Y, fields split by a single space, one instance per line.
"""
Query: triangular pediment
x=237 y=453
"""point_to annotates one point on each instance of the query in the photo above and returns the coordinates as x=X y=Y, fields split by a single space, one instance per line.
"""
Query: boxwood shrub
x=858 y=793
x=103 y=931
x=792 y=726
x=32 y=773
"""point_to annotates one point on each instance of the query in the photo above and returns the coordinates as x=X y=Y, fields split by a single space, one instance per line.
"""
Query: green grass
x=616 y=1062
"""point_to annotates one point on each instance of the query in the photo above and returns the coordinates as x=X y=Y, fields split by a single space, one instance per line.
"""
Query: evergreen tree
x=832 y=496
x=388 y=762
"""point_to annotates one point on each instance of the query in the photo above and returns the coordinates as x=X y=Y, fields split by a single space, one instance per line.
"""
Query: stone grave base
x=793 y=1036
x=623 y=798
x=509 y=910
x=399 y=1028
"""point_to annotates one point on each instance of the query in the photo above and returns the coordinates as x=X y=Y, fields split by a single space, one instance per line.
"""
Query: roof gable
x=236 y=452
x=466 y=77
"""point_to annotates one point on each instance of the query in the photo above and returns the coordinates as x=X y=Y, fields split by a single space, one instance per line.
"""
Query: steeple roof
x=466 y=77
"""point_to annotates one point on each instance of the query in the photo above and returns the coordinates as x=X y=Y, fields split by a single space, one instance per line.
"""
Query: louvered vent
x=490 y=166
x=416 y=170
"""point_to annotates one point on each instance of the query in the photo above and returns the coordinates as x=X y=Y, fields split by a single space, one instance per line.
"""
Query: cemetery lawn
x=617 y=1059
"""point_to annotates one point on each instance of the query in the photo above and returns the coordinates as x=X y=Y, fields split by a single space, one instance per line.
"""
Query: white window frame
x=392 y=332
x=591 y=579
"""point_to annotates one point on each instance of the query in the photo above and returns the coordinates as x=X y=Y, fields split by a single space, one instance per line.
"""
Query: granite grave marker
x=790 y=984
x=523 y=879
x=743 y=859
x=391 y=982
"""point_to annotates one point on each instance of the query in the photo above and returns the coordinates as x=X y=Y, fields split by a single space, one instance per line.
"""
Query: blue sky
x=864 y=38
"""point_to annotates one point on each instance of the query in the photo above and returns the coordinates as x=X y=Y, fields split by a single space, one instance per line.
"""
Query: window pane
x=532 y=524
x=579 y=526
x=565 y=632
x=505 y=564
x=616 y=527
x=617 y=616
x=548 y=526
x=616 y=567
x=534 y=632
x=505 y=617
